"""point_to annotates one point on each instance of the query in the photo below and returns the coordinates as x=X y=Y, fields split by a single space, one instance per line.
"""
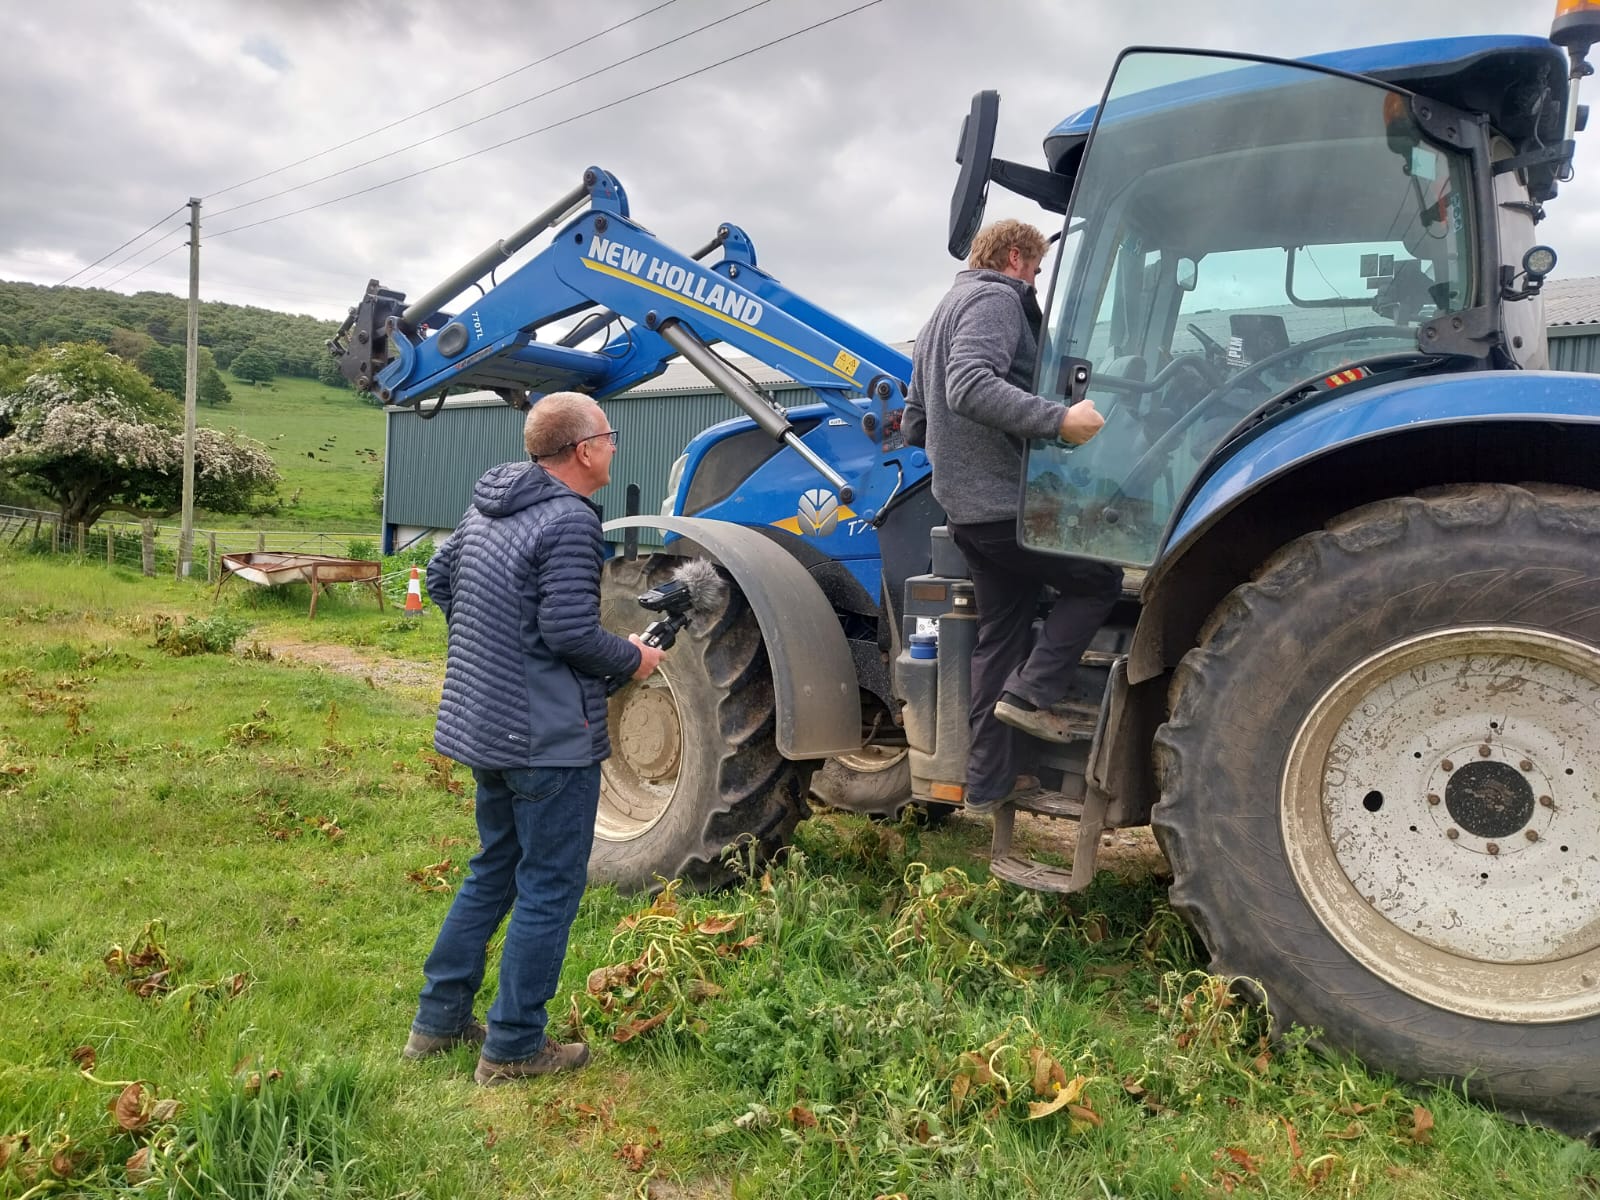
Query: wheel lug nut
x=1447 y=765
x=1532 y=835
x=1547 y=802
x=1433 y=797
x=1493 y=847
x=1452 y=834
x=1483 y=752
x=1525 y=765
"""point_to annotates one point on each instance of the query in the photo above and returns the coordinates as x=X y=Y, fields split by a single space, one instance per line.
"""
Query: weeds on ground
x=221 y=876
x=215 y=634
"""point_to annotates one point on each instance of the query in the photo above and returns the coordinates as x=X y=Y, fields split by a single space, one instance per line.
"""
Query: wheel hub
x=640 y=779
x=1489 y=800
x=648 y=736
x=1439 y=816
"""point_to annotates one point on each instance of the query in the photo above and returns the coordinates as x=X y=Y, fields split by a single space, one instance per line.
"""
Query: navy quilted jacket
x=519 y=585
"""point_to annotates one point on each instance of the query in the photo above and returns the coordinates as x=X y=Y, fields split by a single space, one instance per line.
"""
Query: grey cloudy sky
x=832 y=149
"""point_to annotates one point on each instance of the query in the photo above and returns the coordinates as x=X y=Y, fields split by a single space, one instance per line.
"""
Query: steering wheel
x=1213 y=348
x=1187 y=377
x=1152 y=459
x=1292 y=353
x=1201 y=364
x=1212 y=375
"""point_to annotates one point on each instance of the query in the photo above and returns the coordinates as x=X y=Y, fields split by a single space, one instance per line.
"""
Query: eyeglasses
x=565 y=446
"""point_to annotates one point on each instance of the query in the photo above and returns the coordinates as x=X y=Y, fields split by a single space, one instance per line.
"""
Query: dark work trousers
x=1007 y=580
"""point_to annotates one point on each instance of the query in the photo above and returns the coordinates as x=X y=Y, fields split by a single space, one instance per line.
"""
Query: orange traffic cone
x=414 y=595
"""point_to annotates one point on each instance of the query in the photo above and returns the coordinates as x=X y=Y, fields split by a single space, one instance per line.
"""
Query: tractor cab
x=1247 y=238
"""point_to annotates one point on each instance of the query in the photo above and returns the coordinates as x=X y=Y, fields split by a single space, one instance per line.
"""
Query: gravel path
x=378 y=670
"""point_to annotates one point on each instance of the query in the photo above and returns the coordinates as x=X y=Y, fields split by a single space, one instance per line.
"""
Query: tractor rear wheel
x=1380 y=791
x=693 y=767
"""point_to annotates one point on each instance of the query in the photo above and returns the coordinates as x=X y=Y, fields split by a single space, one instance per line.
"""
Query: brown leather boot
x=551 y=1058
x=1024 y=785
x=426 y=1045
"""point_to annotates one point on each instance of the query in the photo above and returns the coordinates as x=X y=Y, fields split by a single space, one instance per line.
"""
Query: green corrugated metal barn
x=1572 y=312
x=430 y=466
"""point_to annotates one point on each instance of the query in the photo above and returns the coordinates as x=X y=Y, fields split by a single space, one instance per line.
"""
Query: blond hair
x=991 y=249
x=558 y=422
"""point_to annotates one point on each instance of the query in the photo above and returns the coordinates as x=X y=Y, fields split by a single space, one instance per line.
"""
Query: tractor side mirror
x=973 y=152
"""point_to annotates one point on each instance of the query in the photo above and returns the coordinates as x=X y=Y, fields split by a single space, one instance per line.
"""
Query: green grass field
x=222 y=871
x=327 y=443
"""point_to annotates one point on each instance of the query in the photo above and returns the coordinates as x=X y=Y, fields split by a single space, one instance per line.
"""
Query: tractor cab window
x=1238 y=236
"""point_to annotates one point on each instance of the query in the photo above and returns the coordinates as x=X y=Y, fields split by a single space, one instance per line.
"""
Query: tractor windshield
x=1240 y=233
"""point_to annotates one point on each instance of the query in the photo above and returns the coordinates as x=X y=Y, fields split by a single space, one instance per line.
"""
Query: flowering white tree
x=91 y=433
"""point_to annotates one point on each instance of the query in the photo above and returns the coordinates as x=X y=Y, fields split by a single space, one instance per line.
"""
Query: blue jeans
x=1008 y=658
x=536 y=827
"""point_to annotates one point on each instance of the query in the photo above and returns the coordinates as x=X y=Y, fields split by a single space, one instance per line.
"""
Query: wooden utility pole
x=191 y=374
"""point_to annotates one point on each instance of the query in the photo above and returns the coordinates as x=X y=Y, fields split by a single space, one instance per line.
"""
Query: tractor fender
x=1468 y=398
x=1474 y=427
x=813 y=675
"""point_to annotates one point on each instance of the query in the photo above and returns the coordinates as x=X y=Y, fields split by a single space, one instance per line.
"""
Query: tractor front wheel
x=693 y=767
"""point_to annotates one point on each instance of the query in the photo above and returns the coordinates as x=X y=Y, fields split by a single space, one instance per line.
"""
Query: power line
x=124 y=246
x=146 y=266
x=489 y=116
x=298 y=297
x=103 y=271
x=440 y=104
x=215 y=283
x=554 y=124
x=381 y=129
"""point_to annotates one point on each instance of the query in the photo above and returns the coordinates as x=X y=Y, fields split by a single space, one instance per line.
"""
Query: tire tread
x=760 y=795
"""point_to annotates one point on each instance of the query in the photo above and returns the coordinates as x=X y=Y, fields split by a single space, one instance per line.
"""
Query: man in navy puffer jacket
x=524 y=706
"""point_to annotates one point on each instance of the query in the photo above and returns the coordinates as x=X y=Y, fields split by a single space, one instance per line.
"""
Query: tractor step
x=1090 y=812
x=1050 y=804
x=1036 y=876
x=1083 y=718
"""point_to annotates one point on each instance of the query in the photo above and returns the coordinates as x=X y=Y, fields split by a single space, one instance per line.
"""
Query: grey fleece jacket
x=968 y=370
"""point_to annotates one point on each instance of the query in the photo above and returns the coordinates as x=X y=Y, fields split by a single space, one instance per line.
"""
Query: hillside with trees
x=148 y=329
x=81 y=435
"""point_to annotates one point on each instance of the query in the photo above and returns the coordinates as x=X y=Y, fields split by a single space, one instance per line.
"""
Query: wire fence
x=152 y=548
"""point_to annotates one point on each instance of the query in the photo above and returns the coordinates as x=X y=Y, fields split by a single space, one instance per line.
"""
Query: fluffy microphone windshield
x=705 y=587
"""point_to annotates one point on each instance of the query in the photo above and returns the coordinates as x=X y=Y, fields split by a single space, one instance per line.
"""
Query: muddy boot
x=551 y=1058
x=426 y=1045
x=1059 y=723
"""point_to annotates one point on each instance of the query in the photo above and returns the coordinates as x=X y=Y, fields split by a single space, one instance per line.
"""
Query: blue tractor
x=1355 y=677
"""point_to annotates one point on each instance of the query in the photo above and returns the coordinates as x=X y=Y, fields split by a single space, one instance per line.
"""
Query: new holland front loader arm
x=661 y=303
